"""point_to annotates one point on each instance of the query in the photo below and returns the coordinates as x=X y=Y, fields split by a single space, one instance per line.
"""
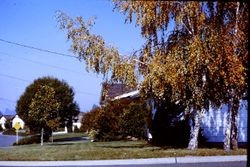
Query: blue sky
x=33 y=23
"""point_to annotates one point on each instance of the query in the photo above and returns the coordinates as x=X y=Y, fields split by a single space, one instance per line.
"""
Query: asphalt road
x=209 y=164
x=206 y=164
x=7 y=140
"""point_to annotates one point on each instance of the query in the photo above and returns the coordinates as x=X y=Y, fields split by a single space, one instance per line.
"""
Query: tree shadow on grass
x=68 y=141
x=124 y=146
x=71 y=139
x=61 y=144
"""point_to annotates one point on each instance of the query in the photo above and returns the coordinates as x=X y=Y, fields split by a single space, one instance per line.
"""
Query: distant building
x=18 y=120
x=77 y=121
x=2 y=122
x=12 y=120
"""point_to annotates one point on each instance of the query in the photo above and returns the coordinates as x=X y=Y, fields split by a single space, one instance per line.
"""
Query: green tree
x=44 y=109
x=63 y=94
x=204 y=57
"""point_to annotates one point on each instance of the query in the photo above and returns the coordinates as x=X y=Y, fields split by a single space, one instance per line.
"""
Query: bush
x=117 y=120
x=133 y=122
x=93 y=134
x=89 y=119
x=108 y=123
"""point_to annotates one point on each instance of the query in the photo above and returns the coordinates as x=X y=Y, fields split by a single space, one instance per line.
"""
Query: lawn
x=86 y=150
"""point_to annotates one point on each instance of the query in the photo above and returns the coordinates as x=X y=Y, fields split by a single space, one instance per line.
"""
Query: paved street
x=211 y=161
x=7 y=140
x=221 y=164
x=208 y=164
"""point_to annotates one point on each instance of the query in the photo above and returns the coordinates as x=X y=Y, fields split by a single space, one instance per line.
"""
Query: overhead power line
x=35 y=48
x=7 y=100
x=16 y=78
x=52 y=66
x=20 y=79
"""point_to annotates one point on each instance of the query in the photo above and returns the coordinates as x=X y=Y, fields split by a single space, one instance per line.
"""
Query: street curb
x=171 y=160
x=201 y=159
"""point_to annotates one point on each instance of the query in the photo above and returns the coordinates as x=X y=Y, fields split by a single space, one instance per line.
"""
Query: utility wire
x=42 y=50
x=35 y=48
x=52 y=66
x=16 y=78
x=7 y=100
x=20 y=79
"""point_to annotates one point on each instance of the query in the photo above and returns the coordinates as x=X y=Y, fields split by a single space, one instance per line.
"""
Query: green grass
x=85 y=150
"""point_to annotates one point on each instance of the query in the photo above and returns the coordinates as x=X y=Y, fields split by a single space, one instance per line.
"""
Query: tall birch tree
x=204 y=57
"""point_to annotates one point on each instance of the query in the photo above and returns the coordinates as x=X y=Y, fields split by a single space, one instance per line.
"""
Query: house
x=110 y=91
x=75 y=124
x=2 y=122
x=77 y=121
x=5 y=120
x=18 y=120
x=213 y=122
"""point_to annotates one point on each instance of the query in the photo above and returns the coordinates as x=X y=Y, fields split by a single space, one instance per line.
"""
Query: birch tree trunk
x=235 y=105
x=228 y=127
x=234 y=126
x=231 y=134
x=194 y=132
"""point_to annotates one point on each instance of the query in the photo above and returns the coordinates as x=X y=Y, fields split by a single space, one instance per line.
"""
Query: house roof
x=134 y=93
x=111 y=91
x=8 y=117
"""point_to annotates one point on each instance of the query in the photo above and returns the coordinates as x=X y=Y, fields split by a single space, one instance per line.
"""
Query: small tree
x=44 y=109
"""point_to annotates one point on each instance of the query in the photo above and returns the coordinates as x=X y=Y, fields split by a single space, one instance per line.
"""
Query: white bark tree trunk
x=231 y=133
x=194 y=132
x=235 y=103
x=234 y=126
x=228 y=128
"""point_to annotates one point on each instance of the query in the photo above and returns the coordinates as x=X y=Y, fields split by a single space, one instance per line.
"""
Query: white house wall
x=214 y=123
